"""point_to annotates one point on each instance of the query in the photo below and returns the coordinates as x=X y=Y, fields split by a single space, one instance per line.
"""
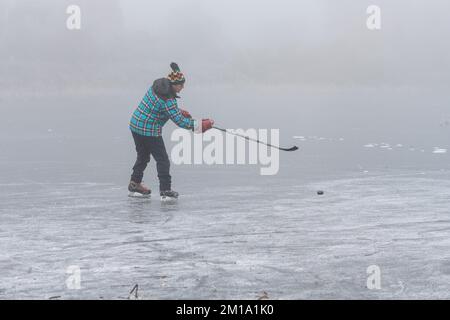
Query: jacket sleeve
x=174 y=113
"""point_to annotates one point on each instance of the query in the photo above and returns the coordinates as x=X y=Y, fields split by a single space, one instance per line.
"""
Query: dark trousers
x=146 y=146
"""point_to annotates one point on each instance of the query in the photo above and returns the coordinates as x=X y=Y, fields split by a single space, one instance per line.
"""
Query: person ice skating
x=156 y=108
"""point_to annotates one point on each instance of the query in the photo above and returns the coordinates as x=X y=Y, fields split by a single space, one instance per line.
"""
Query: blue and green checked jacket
x=156 y=108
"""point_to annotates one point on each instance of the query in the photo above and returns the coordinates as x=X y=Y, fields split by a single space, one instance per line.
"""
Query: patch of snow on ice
x=439 y=150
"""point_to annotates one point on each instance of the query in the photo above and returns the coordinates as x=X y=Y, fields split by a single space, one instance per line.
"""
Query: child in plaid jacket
x=156 y=108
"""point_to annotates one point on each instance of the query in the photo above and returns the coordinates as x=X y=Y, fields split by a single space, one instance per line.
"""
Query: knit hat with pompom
x=176 y=77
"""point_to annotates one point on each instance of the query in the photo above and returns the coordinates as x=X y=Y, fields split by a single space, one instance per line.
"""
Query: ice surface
x=230 y=241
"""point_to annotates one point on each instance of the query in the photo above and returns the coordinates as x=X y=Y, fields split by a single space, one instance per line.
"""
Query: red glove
x=185 y=113
x=207 y=124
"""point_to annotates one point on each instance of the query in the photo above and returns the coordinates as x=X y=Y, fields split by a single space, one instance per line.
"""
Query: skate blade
x=168 y=199
x=139 y=195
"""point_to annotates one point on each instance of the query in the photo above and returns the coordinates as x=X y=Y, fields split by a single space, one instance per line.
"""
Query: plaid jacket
x=154 y=111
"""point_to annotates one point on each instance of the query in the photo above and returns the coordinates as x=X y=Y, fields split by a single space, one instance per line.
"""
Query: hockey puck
x=320 y=192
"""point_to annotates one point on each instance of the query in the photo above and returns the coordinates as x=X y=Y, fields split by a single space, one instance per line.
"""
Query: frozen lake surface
x=233 y=234
x=231 y=242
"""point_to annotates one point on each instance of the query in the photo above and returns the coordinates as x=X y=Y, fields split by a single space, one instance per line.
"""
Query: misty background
x=125 y=43
x=309 y=68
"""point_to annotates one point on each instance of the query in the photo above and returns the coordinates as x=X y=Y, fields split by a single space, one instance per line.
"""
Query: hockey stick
x=257 y=141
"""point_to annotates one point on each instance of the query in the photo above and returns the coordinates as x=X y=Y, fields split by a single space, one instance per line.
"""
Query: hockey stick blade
x=290 y=149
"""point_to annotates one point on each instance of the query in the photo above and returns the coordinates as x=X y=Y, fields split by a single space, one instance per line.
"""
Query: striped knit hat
x=176 y=77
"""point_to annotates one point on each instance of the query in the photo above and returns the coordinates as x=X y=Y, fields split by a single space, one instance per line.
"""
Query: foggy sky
x=310 y=68
x=320 y=42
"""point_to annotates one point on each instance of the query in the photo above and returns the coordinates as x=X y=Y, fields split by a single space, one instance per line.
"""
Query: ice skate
x=169 y=196
x=138 y=190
